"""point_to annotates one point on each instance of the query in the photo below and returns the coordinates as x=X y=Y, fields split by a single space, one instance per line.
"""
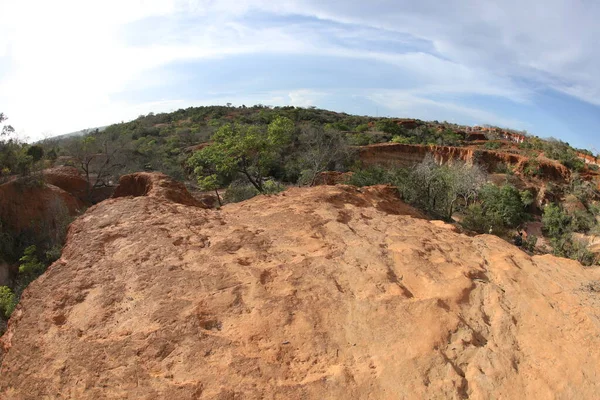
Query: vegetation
x=247 y=150
x=7 y=301
x=559 y=226
x=436 y=189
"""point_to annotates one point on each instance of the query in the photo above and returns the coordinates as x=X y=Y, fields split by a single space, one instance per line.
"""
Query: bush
x=492 y=145
x=362 y=128
x=30 y=265
x=7 y=301
x=273 y=187
x=532 y=168
x=370 y=176
x=530 y=243
x=566 y=246
x=556 y=222
x=480 y=221
x=360 y=139
x=402 y=140
x=582 y=221
x=507 y=203
x=441 y=189
x=238 y=191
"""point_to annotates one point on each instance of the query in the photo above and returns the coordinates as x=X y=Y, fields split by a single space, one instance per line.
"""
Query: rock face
x=408 y=155
x=318 y=293
x=153 y=184
x=34 y=205
x=68 y=179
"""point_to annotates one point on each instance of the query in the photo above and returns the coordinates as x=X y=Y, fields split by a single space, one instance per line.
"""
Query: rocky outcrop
x=316 y=293
x=30 y=204
x=408 y=155
x=68 y=179
x=155 y=184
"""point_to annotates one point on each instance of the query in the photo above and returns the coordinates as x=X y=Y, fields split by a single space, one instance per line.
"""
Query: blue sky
x=526 y=65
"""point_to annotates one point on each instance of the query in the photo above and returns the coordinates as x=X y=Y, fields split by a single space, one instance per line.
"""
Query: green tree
x=35 y=152
x=507 y=202
x=249 y=150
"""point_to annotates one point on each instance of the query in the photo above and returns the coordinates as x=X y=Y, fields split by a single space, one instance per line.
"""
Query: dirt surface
x=317 y=293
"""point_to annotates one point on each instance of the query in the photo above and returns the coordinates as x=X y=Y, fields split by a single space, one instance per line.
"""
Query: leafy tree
x=6 y=129
x=507 y=202
x=497 y=209
x=35 y=152
x=245 y=149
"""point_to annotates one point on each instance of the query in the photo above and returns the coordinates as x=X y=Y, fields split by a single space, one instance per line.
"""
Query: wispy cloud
x=66 y=65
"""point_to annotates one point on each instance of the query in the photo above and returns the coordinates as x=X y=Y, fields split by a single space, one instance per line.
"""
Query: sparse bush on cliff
x=438 y=188
x=239 y=191
x=585 y=191
x=477 y=219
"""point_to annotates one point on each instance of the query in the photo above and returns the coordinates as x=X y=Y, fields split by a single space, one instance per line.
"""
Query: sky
x=67 y=65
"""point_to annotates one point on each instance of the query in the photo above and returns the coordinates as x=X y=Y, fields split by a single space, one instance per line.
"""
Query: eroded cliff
x=408 y=155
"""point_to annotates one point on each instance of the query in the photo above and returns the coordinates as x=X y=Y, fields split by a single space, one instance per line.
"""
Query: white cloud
x=62 y=66
x=414 y=105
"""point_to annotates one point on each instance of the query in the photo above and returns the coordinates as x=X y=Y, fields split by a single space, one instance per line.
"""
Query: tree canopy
x=249 y=150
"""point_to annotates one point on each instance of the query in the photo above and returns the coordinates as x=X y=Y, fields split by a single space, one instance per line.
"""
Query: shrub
x=7 y=301
x=238 y=191
x=556 y=222
x=36 y=152
x=492 y=145
x=362 y=128
x=360 y=139
x=530 y=243
x=582 y=221
x=402 y=140
x=370 y=176
x=440 y=189
x=506 y=202
x=273 y=187
x=532 y=168
x=30 y=265
x=566 y=246
x=480 y=221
